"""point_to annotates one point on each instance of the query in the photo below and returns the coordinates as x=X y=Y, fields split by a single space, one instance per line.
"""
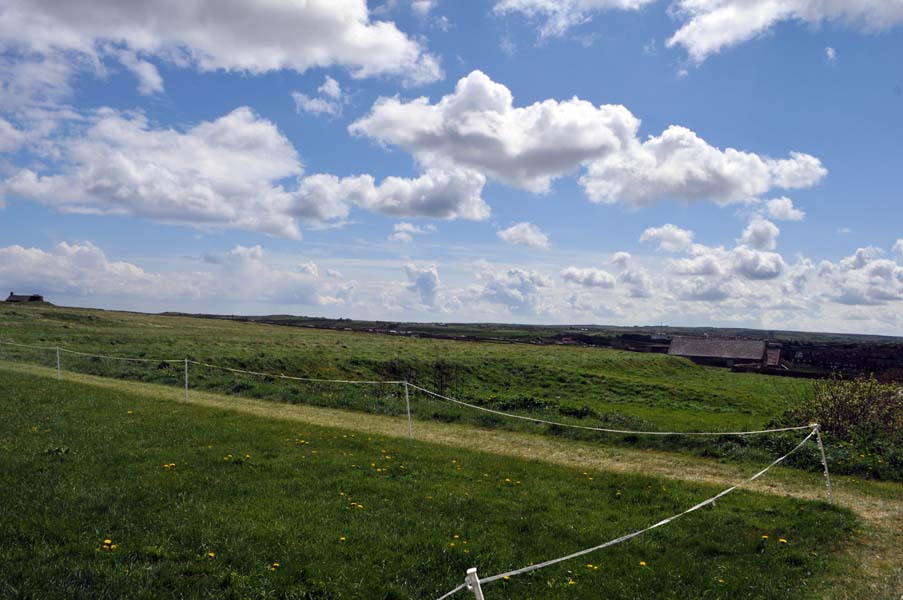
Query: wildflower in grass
x=211 y=555
x=274 y=566
x=720 y=580
x=130 y=412
x=571 y=582
x=782 y=540
x=764 y=537
x=227 y=457
x=642 y=563
x=342 y=538
x=247 y=456
x=113 y=546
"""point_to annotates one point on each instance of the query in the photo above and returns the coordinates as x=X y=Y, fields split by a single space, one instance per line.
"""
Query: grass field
x=348 y=514
x=583 y=386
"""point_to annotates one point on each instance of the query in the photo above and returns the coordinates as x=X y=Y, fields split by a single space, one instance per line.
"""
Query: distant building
x=20 y=298
x=719 y=352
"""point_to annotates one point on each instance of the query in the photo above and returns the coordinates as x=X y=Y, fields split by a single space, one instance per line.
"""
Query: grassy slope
x=80 y=468
x=621 y=388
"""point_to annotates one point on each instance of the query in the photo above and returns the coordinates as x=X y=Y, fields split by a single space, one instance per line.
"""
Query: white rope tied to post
x=634 y=534
x=603 y=429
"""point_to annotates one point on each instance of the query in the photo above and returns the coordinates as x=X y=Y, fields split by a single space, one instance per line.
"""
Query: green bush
x=863 y=422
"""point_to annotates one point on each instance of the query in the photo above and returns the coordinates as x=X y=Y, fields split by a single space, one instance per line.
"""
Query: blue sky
x=698 y=162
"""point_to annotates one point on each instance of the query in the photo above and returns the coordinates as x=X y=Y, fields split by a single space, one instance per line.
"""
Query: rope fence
x=473 y=583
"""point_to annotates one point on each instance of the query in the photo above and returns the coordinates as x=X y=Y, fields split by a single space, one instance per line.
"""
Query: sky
x=630 y=162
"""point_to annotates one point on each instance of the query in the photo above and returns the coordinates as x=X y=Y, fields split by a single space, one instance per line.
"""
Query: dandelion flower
x=571 y=582
x=108 y=542
x=764 y=537
x=211 y=554
x=342 y=538
x=642 y=563
x=113 y=546
x=782 y=540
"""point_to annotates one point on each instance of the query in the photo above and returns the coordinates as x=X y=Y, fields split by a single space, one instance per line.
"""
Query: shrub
x=856 y=410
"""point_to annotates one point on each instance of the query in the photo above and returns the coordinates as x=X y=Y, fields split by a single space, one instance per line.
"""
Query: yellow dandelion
x=211 y=555
x=720 y=580
x=108 y=542
x=571 y=582
x=247 y=456
x=782 y=540
x=113 y=546
x=642 y=563
x=506 y=578
x=130 y=412
x=342 y=538
x=764 y=537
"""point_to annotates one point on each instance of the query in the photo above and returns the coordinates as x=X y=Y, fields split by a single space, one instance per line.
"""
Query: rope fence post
x=407 y=401
x=824 y=461
x=58 y=368
x=186 y=380
x=473 y=583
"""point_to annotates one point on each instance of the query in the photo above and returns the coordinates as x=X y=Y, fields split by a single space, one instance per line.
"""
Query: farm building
x=20 y=298
x=719 y=352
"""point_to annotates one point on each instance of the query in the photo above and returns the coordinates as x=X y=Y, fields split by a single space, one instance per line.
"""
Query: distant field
x=351 y=515
x=583 y=384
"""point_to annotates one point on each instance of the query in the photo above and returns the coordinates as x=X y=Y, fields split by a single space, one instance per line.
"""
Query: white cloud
x=524 y=234
x=226 y=173
x=680 y=165
x=221 y=173
x=761 y=234
x=422 y=8
x=555 y=17
x=898 y=246
x=709 y=26
x=712 y=25
x=438 y=194
x=670 y=238
x=830 y=55
x=589 y=277
x=405 y=232
x=309 y=268
x=329 y=102
x=782 y=209
x=240 y=274
x=424 y=281
x=149 y=79
x=518 y=290
x=756 y=264
x=222 y=34
x=478 y=127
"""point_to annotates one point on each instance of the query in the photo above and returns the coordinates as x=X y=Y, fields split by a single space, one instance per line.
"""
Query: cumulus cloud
x=761 y=234
x=329 y=100
x=221 y=173
x=710 y=26
x=524 y=234
x=222 y=34
x=518 y=290
x=588 y=277
x=478 y=127
x=680 y=165
x=756 y=264
x=830 y=55
x=782 y=209
x=424 y=281
x=149 y=79
x=422 y=8
x=898 y=246
x=670 y=238
x=405 y=232
x=226 y=173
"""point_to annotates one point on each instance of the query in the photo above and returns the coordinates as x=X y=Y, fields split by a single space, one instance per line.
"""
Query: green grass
x=644 y=390
x=79 y=468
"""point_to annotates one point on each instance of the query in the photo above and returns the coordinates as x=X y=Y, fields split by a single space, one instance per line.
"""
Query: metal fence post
x=824 y=461
x=407 y=401
x=58 y=368
x=473 y=583
x=186 y=380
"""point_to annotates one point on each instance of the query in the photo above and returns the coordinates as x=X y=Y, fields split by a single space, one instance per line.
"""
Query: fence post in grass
x=186 y=380
x=58 y=368
x=473 y=583
x=824 y=460
x=407 y=401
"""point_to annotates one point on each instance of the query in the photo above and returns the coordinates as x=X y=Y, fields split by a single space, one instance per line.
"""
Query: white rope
x=430 y=392
x=629 y=536
x=453 y=592
x=602 y=429
x=273 y=376
x=122 y=358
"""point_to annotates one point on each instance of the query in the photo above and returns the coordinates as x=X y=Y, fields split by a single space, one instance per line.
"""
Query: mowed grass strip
x=199 y=502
